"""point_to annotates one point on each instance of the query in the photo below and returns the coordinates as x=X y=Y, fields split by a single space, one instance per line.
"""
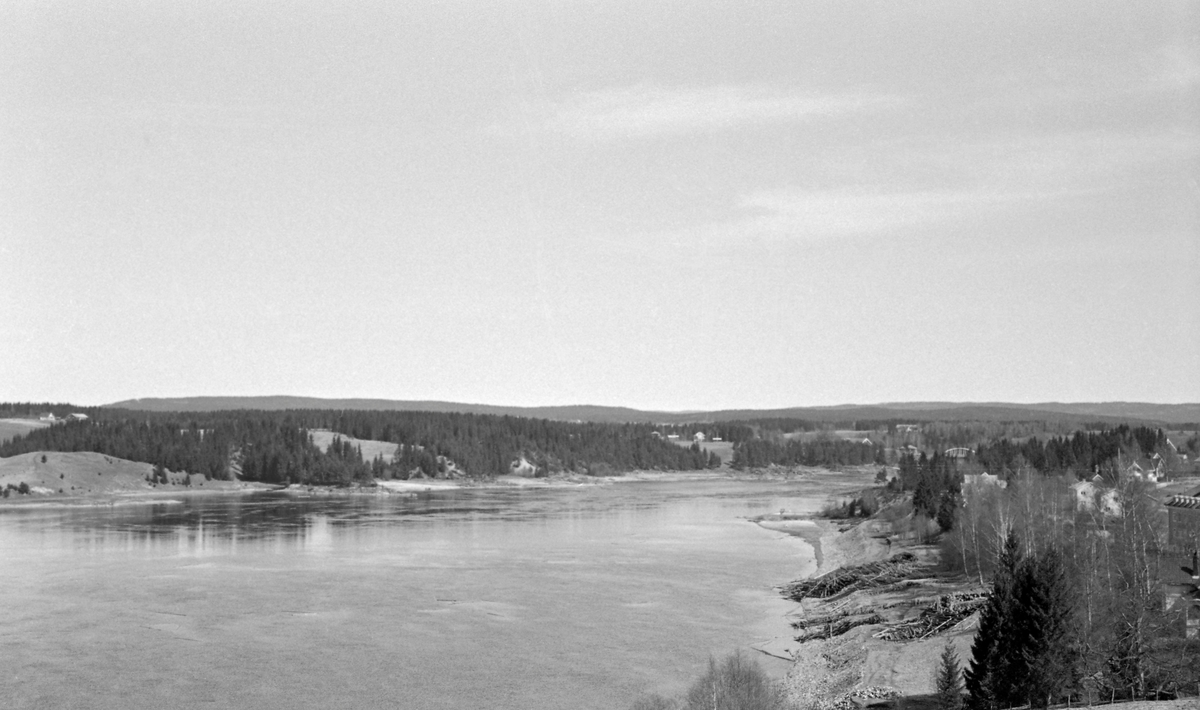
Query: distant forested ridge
x=275 y=447
x=841 y=416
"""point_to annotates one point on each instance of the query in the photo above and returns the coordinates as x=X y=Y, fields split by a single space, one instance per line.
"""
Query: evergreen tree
x=987 y=678
x=1025 y=651
x=947 y=510
x=949 y=681
x=1044 y=628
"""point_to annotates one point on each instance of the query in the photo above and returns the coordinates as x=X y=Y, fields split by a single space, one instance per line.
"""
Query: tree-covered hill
x=275 y=446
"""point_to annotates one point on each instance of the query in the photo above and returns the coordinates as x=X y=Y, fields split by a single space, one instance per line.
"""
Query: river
x=580 y=597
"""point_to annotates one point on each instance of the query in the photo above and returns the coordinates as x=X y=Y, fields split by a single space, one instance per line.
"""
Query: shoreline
x=125 y=497
x=832 y=545
x=842 y=668
x=383 y=488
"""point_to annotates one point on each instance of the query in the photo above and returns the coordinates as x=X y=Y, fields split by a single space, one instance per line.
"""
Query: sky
x=662 y=205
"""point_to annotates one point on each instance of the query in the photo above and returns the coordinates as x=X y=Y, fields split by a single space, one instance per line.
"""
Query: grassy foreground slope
x=74 y=473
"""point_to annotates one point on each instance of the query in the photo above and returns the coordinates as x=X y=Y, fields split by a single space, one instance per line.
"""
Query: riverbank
x=871 y=585
x=86 y=478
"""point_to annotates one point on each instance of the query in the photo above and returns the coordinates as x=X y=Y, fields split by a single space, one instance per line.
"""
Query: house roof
x=1189 y=502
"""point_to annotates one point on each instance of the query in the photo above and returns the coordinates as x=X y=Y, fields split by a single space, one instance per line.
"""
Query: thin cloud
x=644 y=111
x=977 y=179
x=823 y=214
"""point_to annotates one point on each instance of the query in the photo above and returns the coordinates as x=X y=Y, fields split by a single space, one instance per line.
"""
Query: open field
x=59 y=475
x=370 y=447
x=10 y=428
x=724 y=449
x=77 y=473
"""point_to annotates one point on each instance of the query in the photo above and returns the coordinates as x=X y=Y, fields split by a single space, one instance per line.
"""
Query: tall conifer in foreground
x=988 y=676
x=1026 y=650
x=1045 y=632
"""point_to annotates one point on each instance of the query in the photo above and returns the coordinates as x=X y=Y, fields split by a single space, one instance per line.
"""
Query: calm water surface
x=561 y=598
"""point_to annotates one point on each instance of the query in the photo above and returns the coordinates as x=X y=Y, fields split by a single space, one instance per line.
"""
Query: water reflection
x=536 y=598
x=279 y=523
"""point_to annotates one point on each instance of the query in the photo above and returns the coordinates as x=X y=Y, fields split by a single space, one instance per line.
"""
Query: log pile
x=945 y=613
x=831 y=625
x=855 y=577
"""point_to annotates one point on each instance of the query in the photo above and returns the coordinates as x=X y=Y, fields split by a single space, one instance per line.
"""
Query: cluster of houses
x=73 y=417
x=699 y=437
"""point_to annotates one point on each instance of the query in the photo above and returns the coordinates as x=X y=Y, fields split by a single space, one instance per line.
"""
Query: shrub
x=655 y=702
x=23 y=489
x=736 y=684
x=596 y=469
x=862 y=506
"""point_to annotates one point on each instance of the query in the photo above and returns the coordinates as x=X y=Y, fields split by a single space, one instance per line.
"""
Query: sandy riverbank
x=856 y=668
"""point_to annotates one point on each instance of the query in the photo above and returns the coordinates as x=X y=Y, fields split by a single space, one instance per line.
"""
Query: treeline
x=822 y=451
x=256 y=448
x=933 y=434
x=1001 y=446
x=33 y=409
x=483 y=444
x=1083 y=454
x=940 y=436
x=275 y=446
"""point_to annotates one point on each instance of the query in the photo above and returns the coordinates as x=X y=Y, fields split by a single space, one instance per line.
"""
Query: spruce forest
x=275 y=446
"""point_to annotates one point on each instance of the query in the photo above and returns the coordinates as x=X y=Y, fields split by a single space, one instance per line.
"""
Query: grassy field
x=81 y=473
x=10 y=428
x=724 y=449
x=370 y=448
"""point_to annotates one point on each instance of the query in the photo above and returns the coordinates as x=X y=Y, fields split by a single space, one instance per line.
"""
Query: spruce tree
x=1025 y=651
x=1050 y=655
x=988 y=677
x=949 y=681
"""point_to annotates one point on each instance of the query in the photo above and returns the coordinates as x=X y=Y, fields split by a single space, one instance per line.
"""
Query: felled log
x=853 y=577
x=948 y=611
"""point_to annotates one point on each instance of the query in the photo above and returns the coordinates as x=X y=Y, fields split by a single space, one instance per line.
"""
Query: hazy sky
x=655 y=204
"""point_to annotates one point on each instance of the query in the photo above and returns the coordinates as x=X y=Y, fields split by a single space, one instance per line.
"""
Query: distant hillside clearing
x=84 y=473
x=370 y=447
